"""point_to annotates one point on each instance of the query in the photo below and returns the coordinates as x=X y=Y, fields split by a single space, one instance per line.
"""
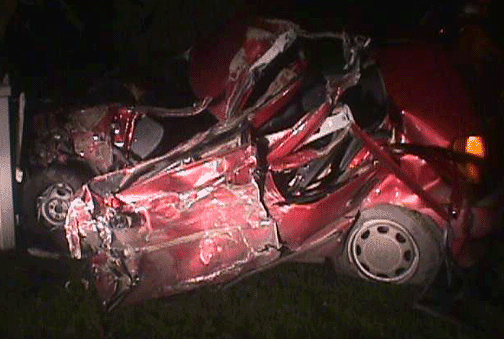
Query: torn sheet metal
x=340 y=118
x=245 y=194
x=199 y=214
x=197 y=223
x=162 y=112
x=247 y=51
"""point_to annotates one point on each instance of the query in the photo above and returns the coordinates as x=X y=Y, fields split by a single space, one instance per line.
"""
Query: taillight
x=475 y=146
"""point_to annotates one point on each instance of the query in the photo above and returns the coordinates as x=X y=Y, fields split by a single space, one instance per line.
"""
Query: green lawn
x=292 y=301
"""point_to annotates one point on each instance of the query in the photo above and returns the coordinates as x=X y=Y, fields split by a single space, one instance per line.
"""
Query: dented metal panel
x=207 y=218
x=239 y=198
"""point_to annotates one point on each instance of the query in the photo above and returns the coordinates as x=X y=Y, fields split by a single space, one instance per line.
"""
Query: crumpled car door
x=194 y=224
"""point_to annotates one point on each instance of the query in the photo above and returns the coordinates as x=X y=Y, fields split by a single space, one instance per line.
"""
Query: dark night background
x=49 y=44
x=57 y=49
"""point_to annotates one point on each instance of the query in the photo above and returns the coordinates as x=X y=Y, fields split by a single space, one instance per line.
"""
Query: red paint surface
x=264 y=114
x=210 y=220
x=300 y=132
x=202 y=228
x=298 y=222
x=209 y=67
x=125 y=120
x=421 y=79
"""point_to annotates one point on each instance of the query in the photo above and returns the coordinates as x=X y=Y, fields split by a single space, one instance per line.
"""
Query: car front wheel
x=391 y=244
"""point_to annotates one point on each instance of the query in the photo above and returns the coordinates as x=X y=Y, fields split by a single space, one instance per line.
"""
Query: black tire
x=45 y=230
x=391 y=244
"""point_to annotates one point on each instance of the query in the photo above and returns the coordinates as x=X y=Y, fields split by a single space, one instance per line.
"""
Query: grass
x=292 y=301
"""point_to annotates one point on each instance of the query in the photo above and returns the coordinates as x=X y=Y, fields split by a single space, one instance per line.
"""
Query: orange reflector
x=475 y=146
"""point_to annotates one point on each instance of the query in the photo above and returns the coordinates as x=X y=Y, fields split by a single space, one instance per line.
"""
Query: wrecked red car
x=73 y=143
x=366 y=159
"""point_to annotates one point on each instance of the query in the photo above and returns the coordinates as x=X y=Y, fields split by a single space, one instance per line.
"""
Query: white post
x=7 y=231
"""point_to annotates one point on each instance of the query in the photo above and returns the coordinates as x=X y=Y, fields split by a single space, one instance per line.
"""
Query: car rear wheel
x=46 y=198
x=391 y=244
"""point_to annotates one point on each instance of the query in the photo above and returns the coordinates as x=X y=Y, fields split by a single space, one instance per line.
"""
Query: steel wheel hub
x=53 y=204
x=384 y=251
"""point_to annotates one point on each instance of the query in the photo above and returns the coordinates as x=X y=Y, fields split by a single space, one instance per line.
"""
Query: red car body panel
x=264 y=114
x=226 y=202
x=219 y=66
x=435 y=111
x=199 y=229
x=433 y=91
x=297 y=223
